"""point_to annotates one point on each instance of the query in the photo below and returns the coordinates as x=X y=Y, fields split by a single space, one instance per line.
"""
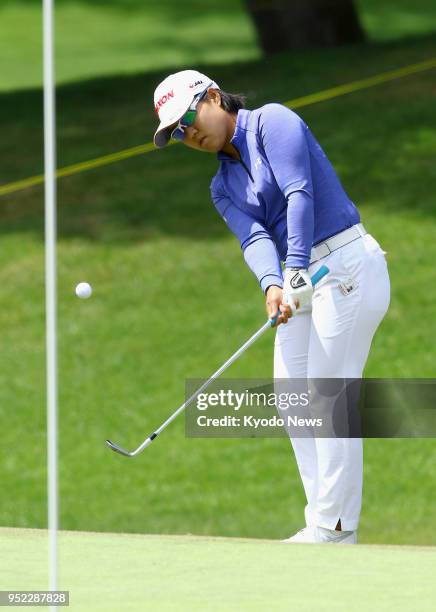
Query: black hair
x=232 y=102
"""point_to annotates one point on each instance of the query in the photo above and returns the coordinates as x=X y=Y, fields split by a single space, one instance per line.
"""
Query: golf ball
x=83 y=290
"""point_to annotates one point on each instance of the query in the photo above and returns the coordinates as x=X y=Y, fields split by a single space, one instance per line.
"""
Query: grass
x=394 y=19
x=173 y=299
x=132 y=36
x=111 y=572
x=128 y=36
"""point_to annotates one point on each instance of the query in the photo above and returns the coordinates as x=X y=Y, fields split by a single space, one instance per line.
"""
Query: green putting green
x=129 y=572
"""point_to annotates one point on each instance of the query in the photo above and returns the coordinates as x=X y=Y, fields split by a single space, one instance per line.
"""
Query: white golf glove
x=297 y=287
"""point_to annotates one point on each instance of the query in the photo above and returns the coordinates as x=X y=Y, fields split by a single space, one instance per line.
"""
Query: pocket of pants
x=355 y=255
x=372 y=245
x=365 y=263
x=352 y=257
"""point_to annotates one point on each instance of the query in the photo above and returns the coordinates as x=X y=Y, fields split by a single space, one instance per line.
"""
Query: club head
x=118 y=449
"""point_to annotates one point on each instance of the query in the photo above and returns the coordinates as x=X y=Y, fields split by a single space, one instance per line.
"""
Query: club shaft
x=270 y=323
x=315 y=278
x=216 y=374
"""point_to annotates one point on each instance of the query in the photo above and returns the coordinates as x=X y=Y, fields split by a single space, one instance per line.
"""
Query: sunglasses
x=188 y=118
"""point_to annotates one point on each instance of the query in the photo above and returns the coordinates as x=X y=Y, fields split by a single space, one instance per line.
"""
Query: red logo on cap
x=164 y=99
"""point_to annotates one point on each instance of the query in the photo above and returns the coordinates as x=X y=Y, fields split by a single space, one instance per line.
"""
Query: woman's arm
x=259 y=250
x=283 y=138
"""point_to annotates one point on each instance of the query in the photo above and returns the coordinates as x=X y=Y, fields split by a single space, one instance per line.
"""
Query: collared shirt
x=283 y=196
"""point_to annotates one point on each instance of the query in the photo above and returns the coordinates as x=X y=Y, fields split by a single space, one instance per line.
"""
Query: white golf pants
x=331 y=339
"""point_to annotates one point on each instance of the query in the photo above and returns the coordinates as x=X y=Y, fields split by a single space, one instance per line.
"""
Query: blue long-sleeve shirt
x=283 y=196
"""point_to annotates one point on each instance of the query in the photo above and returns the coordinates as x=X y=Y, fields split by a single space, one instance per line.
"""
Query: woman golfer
x=278 y=193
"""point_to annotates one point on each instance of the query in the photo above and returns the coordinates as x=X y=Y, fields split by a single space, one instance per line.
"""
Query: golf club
x=323 y=270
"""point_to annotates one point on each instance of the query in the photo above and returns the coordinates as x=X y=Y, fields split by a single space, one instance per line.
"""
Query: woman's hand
x=297 y=288
x=274 y=303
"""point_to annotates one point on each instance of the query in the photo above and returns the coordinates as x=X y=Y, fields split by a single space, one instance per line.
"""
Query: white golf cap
x=174 y=96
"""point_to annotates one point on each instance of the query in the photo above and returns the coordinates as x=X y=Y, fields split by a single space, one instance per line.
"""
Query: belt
x=324 y=248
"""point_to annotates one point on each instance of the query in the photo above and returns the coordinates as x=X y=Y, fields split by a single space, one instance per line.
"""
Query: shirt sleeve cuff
x=271 y=279
x=297 y=261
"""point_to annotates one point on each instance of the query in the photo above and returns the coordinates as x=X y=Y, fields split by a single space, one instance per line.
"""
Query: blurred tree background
x=291 y=24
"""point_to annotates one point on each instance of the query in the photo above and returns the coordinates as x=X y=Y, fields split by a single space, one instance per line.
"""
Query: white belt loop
x=322 y=249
